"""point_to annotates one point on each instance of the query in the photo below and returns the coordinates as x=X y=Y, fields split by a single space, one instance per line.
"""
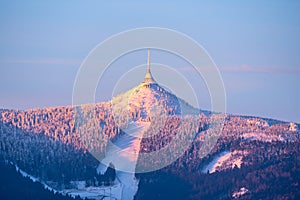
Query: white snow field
x=211 y=167
x=123 y=154
x=104 y=192
x=225 y=160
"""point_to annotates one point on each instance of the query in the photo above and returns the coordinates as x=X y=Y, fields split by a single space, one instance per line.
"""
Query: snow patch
x=111 y=192
x=225 y=160
x=210 y=166
x=241 y=192
x=262 y=137
x=78 y=184
x=101 y=169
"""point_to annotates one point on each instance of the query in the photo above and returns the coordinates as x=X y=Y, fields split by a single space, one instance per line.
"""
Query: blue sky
x=255 y=45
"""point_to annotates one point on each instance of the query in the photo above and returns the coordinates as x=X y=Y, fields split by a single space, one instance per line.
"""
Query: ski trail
x=123 y=154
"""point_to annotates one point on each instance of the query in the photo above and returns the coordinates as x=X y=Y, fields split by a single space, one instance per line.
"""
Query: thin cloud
x=248 y=69
x=252 y=69
x=192 y=69
x=44 y=61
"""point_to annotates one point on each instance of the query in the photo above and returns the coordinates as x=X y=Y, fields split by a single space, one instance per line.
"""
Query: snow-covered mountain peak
x=146 y=101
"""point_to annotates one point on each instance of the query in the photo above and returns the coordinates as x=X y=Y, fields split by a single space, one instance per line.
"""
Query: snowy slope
x=123 y=154
x=146 y=102
x=225 y=160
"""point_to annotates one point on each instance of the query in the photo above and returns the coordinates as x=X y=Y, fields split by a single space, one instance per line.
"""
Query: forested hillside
x=252 y=158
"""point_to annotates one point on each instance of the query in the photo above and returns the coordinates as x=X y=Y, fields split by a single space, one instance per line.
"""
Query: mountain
x=148 y=101
x=254 y=158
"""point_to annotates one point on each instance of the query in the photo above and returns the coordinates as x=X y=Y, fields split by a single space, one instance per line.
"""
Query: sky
x=254 y=44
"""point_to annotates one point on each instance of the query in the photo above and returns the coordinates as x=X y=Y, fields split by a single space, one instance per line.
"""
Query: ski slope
x=123 y=154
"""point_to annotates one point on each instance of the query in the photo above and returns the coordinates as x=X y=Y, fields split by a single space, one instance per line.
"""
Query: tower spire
x=148 y=78
x=148 y=71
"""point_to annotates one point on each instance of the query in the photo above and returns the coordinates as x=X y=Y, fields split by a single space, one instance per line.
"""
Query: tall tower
x=148 y=77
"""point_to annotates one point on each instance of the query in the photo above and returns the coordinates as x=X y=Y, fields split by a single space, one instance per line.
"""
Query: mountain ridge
x=39 y=140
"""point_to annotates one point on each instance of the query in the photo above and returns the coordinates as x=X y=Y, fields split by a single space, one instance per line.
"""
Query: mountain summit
x=149 y=100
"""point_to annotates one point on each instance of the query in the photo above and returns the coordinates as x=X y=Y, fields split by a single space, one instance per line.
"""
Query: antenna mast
x=148 y=61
